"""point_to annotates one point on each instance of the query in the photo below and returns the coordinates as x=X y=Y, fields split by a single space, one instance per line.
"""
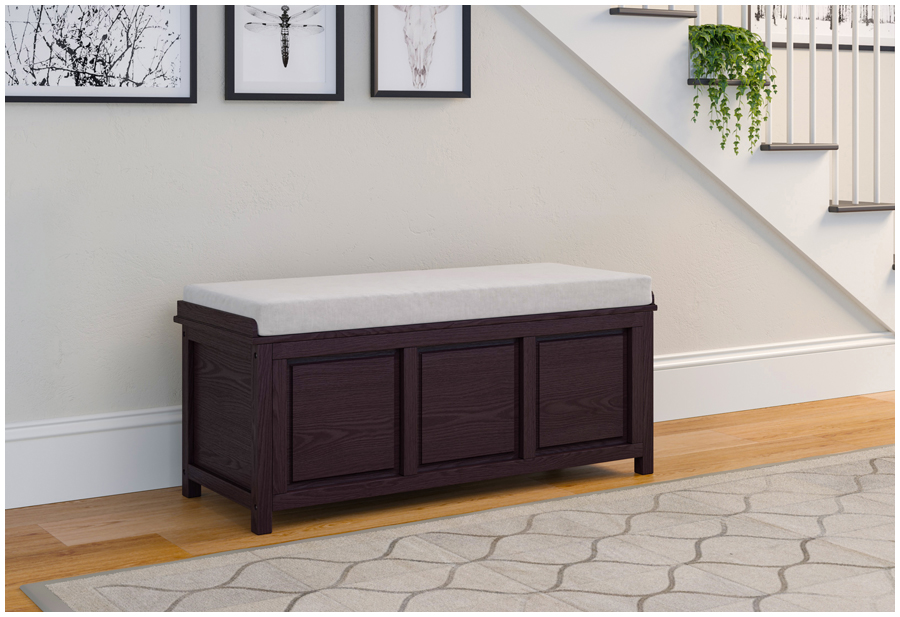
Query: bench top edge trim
x=189 y=313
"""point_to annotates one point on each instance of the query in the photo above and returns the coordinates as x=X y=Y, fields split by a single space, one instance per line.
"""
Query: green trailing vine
x=720 y=53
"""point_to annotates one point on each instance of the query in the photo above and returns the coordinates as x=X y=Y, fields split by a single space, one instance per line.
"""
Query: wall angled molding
x=106 y=454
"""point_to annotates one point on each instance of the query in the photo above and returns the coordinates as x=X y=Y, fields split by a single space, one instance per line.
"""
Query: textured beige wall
x=112 y=209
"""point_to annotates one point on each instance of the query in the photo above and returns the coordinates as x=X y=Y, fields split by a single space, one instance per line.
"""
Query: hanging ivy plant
x=720 y=53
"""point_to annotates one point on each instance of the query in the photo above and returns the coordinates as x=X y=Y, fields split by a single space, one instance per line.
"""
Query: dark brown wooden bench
x=290 y=420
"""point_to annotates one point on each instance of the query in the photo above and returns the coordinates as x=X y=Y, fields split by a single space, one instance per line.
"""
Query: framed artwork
x=284 y=53
x=101 y=53
x=422 y=51
x=822 y=16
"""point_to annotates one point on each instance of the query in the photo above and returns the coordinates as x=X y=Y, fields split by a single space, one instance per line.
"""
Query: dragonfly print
x=284 y=23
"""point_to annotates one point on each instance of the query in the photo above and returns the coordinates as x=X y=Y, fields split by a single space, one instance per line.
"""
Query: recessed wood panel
x=220 y=408
x=469 y=400
x=581 y=389
x=344 y=416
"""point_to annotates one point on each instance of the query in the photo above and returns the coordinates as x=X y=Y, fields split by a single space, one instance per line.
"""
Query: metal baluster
x=855 y=19
x=835 y=94
x=790 y=74
x=769 y=47
x=720 y=14
x=877 y=126
x=812 y=73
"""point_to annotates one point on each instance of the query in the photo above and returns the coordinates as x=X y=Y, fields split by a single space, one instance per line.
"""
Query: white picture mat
x=823 y=27
x=312 y=65
x=446 y=71
x=179 y=22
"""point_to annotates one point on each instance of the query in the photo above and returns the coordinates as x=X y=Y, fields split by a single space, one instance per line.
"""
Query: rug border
x=47 y=601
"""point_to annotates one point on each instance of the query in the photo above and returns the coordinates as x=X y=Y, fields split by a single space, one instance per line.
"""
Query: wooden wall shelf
x=863 y=206
x=621 y=10
x=778 y=147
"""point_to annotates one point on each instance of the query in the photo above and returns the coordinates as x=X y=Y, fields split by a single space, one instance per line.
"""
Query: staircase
x=642 y=53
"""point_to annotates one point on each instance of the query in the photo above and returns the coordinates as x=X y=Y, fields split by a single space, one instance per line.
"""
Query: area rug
x=810 y=535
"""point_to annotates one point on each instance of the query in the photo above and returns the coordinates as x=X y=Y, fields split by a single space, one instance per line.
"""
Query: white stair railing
x=812 y=74
x=835 y=107
x=788 y=93
x=855 y=116
x=876 y=51
x=790 y=74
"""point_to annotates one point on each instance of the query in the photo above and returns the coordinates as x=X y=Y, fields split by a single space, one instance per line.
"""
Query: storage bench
x=313 y=390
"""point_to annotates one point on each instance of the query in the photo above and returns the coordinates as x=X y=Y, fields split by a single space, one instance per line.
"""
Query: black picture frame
x=466 y=91
x=190 y=98
x=826 y=46
x=231 y=95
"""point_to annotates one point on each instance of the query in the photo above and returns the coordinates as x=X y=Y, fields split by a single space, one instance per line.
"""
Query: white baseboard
x=90 y=456
x=720 y=381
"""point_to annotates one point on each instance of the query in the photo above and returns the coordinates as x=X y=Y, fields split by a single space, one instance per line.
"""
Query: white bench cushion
x=344 y=302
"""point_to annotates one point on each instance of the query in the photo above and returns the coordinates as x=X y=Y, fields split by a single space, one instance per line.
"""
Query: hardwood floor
x=121 y=531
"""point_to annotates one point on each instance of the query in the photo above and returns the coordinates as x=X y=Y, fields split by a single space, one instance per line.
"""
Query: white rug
x=811 y=535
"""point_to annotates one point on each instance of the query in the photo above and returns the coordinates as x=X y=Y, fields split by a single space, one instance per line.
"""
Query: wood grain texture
x=455 y=336
x=99 y=534
x=640 y=358
x=225 y=340
x=581 y=389
x=282 y=400
x=410 y=416
x=37 y=556
x=528 y=423
x=262 y=481
x=220 y=485
x=358 y=430
x=220 y=413
x=882 y=396
x=618 y=10
x=189 y=488
x=469 y=402
x=453 y=474
x=345 y=416
x=220 y=319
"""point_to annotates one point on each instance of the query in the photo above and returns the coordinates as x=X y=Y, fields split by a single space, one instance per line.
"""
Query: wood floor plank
x=148 y=502
x=875 y=434
x=695 y=441
x=882 y=396
x=813 y=411
x=93 y=535
x=33 y=555
x=854 y=419
x=188 y=518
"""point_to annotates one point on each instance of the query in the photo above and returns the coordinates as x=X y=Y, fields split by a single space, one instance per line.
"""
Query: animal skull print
x=420 y=31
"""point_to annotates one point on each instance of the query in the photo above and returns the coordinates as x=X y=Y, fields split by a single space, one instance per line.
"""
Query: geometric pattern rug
x=809 y=535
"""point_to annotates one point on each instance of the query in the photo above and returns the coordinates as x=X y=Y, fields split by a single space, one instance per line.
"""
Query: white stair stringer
x=646 y=61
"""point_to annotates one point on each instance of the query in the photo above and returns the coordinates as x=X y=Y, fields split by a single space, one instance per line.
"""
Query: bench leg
x=189 y=488
x=261 y=521
x=644 y=464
